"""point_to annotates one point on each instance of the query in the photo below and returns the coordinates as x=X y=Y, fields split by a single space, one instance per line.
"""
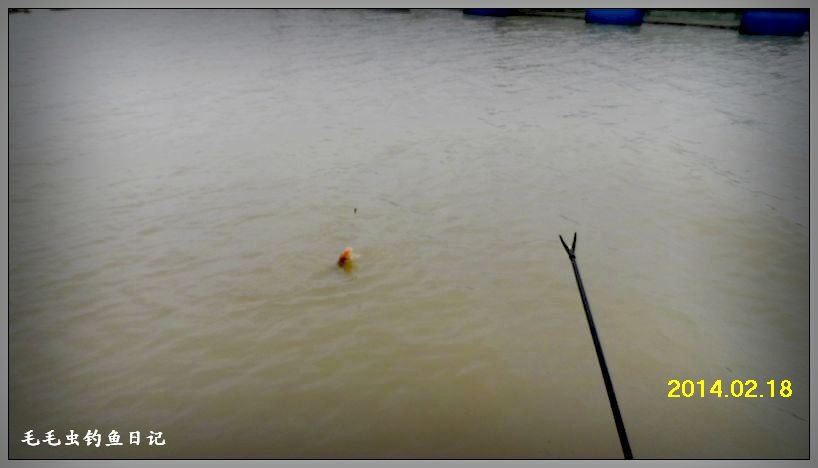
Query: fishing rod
x=620 y=426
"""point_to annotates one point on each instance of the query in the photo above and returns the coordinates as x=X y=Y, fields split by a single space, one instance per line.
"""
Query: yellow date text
x=729 y=389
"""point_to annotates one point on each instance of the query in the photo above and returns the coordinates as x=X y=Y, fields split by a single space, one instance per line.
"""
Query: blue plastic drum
x=774 y=22
x=621 y=16
x=489 y=11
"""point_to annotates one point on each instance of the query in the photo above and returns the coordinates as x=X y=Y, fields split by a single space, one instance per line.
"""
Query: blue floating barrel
x=622 y=16
x=489 y=11
x=774 y=22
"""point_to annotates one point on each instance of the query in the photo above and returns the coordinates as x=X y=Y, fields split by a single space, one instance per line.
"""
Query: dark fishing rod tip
x=573 y=248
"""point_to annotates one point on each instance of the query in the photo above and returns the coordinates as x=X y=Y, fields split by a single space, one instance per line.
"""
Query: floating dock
x=756 y=21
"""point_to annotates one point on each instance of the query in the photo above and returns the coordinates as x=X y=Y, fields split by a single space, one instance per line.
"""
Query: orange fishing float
x=346 y=258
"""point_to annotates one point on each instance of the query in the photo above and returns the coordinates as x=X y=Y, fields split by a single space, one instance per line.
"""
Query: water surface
x=181 y=183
